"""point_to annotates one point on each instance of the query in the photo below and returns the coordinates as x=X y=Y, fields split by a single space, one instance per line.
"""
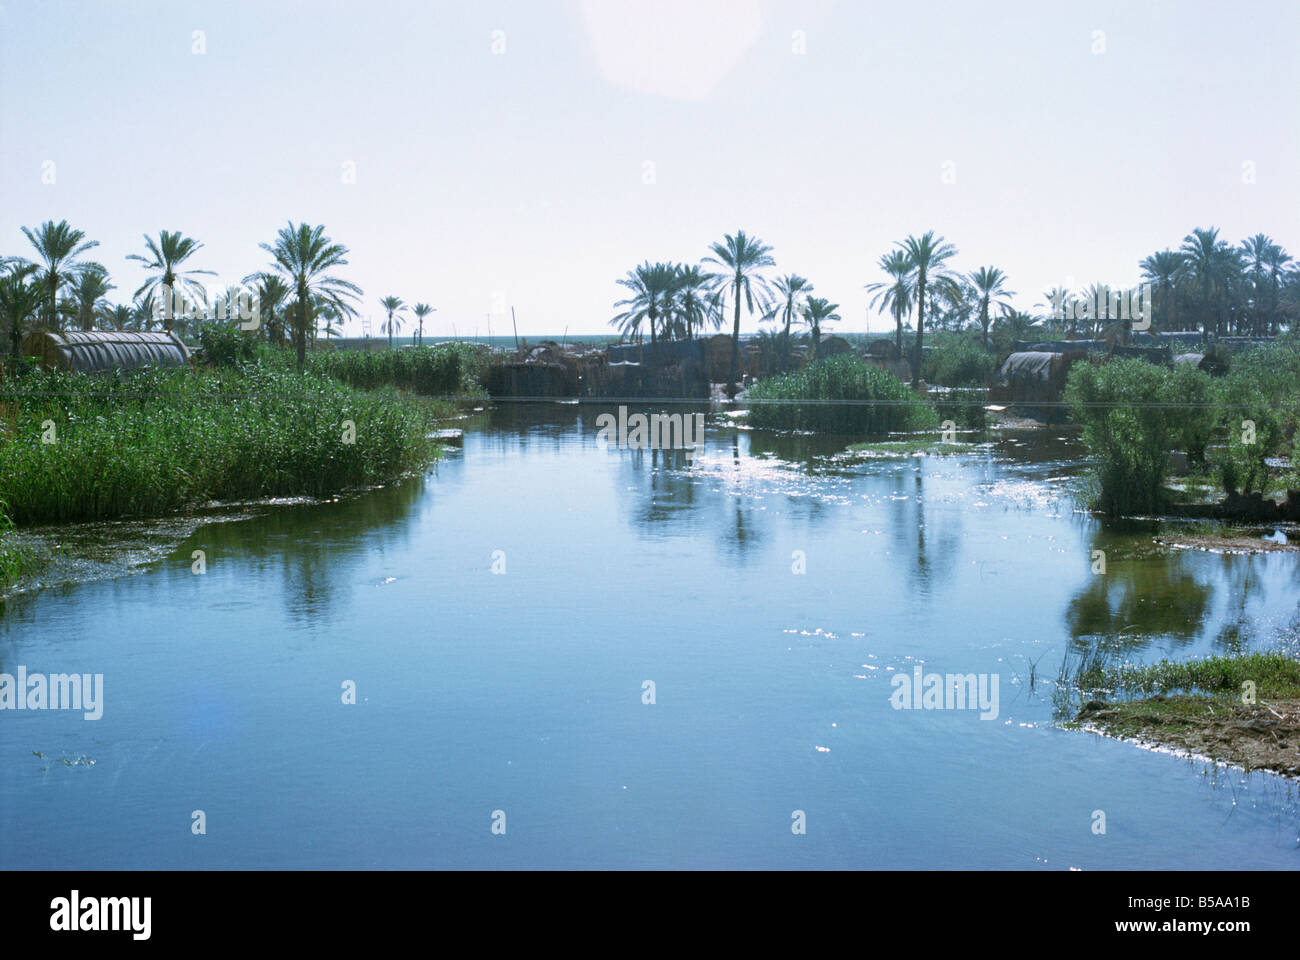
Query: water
x=522 y=692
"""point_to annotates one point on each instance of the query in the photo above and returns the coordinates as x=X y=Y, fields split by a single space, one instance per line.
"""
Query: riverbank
x=168 y=444
x=1241 y=710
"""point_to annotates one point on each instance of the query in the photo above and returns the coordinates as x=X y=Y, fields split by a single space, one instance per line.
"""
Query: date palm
x=989 y=283
x=690 y=301
x=304 y=256
x=88 y=288
x=59 y=248
x=1164 y=270
x=1206 y=257
x=395 y=308
x=739 y=259
x=652 y=286
x=895 y=294
x=271 y=292
x=422 y=310
x=1277 y=272
x=118 y=317
x=790 y=295
x=21 y=299
x=928 y=256
x=817 y=311
x=164 y=256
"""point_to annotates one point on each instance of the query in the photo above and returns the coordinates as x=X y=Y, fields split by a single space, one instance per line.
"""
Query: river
x=520 y=699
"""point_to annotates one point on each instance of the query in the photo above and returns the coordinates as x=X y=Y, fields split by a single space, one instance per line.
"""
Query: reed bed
x=840 y=395
x=76 y=448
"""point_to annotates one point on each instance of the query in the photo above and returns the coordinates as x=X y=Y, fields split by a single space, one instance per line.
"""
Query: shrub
x=1254 y=434
x=839 y=395
x=222 y=345
x=958 y=361
x=1131 y=419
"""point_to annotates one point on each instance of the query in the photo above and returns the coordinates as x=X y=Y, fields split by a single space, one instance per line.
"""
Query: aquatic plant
x=83 y=448
x=840 y=395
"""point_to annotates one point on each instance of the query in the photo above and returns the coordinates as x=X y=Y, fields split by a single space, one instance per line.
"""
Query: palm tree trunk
x=735 y=349
x=920 y=331
x=300 y=334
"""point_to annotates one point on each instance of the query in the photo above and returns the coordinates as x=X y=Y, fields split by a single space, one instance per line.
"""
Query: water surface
x=522 y=692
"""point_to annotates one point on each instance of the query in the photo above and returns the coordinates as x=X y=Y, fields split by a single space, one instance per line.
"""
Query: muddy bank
x=1227 y=543
x=1260 y=736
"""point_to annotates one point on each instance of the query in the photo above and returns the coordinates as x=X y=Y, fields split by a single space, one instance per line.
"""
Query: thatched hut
x=1032 y=377
x=832 y=346
x=101 y=351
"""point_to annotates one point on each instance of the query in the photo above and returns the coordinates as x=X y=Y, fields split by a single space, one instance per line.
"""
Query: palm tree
x=21 y=299
x=59 y=246
x=1163 y=270
x=304 y=255
x=1277 y=261
x=895 y=294
x=928 y=256
x=1016 y=326
x=422 y=310
x=652 y=286
x=271 y=292
x=394 y=306
x=1206 y=257
x=791 y=293
x=119 y=317
x=142 y=313
x=740 y=258
x=988 y=283
x=690 y=302
x=169 y=252
x=327 y=312
x=815 y=311
x=88 y=290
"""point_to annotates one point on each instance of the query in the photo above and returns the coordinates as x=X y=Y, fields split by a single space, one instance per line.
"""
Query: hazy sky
x=535 y=165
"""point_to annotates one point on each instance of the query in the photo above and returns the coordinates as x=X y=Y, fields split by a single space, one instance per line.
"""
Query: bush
x=1131 y=418
x=221 y=345
x=839 y=395
x=958 y=361
x=1254 y=434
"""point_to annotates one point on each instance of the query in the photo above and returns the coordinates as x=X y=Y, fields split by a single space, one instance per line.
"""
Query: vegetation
x=1134 y=413
x=304 y=256
x=958 y=361
x=160 y=441
x=1131 y=420
x=840 y=395
x=738 y=261
x=441 y=370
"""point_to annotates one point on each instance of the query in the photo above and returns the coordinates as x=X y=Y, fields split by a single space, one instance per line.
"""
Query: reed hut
x=102 y=351
x=1032 y=377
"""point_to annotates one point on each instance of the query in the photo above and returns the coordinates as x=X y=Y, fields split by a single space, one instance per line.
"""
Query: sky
x=482 y=155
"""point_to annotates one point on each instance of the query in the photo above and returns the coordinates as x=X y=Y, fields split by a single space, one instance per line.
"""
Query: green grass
x=14 y=560
x=1274 y=675
x=160 y=441
x=840 y=395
